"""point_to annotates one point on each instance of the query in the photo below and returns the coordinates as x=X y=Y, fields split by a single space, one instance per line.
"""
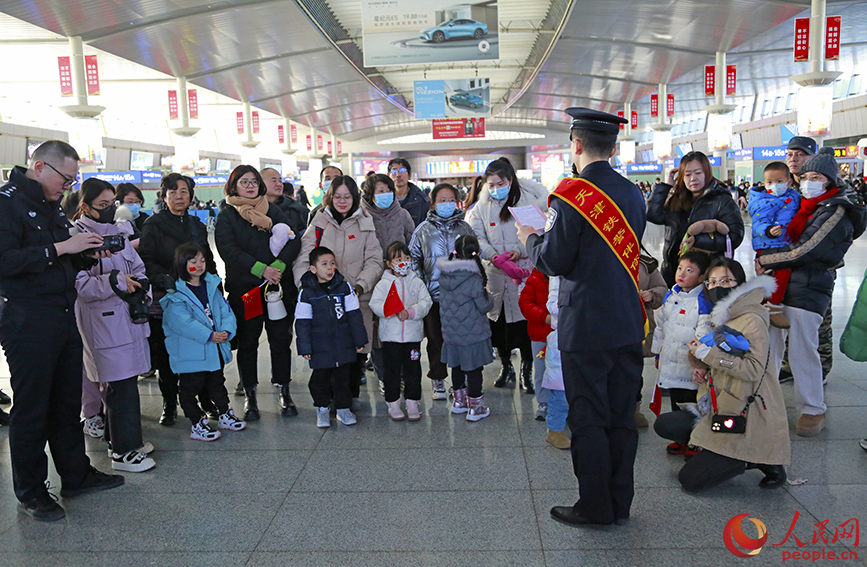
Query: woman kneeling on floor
x=743 y=422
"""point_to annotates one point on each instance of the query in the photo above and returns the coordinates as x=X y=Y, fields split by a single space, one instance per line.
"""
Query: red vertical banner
x=319 y=142
x=654 y=105
x=65 y=76
x=620 y=115
x=309 y=143
x=709 y=80
x=193 y=98
x=634 y=119
x=173 y=105
x=669 y=105
x=281 y=134
x=802 y=39
x=832 y=38
x=239 y=119
x=91 y=72
x=330 y=147
x=255 y=122
x=731 y=79
x=293 y=133
x=339 y=147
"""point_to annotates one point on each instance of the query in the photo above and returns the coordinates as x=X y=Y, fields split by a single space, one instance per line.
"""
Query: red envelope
x=252 y=303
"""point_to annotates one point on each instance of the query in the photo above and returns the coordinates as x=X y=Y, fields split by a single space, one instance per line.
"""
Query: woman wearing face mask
x=735 y=376
x=434 y=239
x=115 y=348
x=820 y=233
x=131 y=197
x=344 y=227
x=495 y=228
x=697 y=197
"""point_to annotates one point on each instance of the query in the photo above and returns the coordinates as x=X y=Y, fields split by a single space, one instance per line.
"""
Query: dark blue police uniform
x=601 y=329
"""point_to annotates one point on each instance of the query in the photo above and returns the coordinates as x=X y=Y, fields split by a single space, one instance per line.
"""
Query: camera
x=137 y=300
x=113 y=243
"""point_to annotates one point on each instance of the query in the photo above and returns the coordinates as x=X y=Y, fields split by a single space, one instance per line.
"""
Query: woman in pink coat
x=115 y=347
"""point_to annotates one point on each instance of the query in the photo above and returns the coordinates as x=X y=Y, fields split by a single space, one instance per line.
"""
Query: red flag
x=393 y=304
x=252 y=303
x=656 y=401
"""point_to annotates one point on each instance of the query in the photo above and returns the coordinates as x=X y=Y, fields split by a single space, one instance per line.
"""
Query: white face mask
x=776 y=189
x=812 y=189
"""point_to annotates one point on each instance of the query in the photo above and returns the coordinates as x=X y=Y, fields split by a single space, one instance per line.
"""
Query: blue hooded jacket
x=768 y=211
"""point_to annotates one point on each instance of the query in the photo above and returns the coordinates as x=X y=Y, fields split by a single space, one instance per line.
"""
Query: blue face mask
x=384 y=200
x=446 y=210
x=326 y=185
x=134 y=208
x=500 y=192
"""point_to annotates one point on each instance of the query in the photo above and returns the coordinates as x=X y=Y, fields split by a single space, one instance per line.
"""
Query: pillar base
x=817 y=78
x=289 y=151
x=82 y=110
x=625 y=138
x=663 y=127
x=250 y=143
x=720 y=108
x=185 y=131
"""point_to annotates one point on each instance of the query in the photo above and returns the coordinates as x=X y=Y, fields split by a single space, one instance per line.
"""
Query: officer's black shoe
x=4 y=398
x=527 y=377
x=239 y=389
x=507 y=373
x=4 y=418
x=567 y=515
x=287 y=406
x=42 y=508
x=93 y=482
x=251 y=406
x=775 y=476
x=170 y=414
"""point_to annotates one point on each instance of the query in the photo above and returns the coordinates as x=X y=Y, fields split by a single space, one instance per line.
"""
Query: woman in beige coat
x=495 y=228
x=342 y=226
x=736 y=379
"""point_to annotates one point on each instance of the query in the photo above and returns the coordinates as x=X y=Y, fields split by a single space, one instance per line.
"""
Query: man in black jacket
x=296 y=213
x=39 y=261
x=408 y=194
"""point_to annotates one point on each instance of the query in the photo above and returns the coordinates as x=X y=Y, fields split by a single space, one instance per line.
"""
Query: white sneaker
x=394 y=411
x=439 y=390
x=94 y=426
x=323 y=417
x=202 y=431
x=541 y=412
x=412 y=411
x=229 y=421
x=133 y=461
x=346 y=417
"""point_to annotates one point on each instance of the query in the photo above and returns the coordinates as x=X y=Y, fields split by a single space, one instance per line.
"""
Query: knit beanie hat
x=824 y=163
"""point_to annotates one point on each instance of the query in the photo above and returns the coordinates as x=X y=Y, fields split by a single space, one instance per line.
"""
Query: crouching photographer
x=112 y=314
x=739 y=422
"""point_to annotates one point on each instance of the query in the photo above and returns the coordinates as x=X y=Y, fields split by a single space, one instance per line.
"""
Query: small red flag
x=393 y=304
x=656 y=401
x=252 y=303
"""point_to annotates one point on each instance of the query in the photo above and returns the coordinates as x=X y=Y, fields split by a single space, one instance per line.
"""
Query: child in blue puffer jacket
x=772 y=209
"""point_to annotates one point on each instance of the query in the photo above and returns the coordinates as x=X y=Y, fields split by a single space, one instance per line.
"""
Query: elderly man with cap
x=591 y=239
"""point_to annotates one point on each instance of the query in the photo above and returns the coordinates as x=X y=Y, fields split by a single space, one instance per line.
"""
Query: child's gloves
x=727 y=339
x=280 y=235
x=511 y=269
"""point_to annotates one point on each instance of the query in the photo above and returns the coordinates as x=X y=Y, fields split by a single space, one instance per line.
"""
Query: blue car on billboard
x=456 y=28
x=467 y=100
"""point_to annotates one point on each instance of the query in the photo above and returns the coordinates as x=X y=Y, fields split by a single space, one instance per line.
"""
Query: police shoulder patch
x=9 y=190
x=552 y=218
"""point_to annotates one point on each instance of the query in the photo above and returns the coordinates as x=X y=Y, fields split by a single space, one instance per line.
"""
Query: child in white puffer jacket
x=558 y=407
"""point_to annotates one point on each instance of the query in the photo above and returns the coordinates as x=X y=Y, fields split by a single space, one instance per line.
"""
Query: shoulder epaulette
x=9 y=191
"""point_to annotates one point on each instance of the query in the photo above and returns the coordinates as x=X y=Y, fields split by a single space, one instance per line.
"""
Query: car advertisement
x=406 y=32
x=462 y=98
x=456 y=128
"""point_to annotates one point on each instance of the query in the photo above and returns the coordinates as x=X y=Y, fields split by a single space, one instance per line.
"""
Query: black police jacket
x=30 y=225
x=600 y=308
x=161 y=234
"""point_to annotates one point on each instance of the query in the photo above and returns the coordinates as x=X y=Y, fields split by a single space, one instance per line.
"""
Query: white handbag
x=276 y=307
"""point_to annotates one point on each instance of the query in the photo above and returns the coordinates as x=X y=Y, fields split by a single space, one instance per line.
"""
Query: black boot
x=527 y=377
x=4 y=418
x=287 y=406
x=775 y=476
x=170 y=413
x=507 y=373
x=251 y=406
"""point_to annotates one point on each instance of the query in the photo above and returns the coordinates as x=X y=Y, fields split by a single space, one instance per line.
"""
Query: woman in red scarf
x=820 y=234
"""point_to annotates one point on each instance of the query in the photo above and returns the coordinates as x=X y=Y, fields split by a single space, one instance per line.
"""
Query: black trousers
x=402 y=360
x=44 y=353
x=331 y=384
x=506 y=336
x=707 y=469
x=433 y=332
x=601 y=387
x=469 y=379
x=356 y=372
x=675 y=426
x=211 y=382
x=167 y=380
x=681 y=395
x=279 y=340
x=123 y=415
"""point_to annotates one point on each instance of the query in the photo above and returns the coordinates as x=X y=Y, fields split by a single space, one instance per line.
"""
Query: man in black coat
x=408 y=194
x=601 y=326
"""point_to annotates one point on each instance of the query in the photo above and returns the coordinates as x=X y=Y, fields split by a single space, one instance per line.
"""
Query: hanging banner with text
x=458 y=128
x=339 y=147
x=731 y=79
x=654 y=105
x=832 y=38
x=293 y=133
x=330 y=147
x=173 y=105
x=65 y=76
x=709 y=80
x=255 y=122
x=91 y=72
x=802 y=39
x=193 y=98
x=319 y=142
x=406 y=32
x=669 y=105
x=239 y=119
x=281 y=134
x=634 y=119
x=620 y=115
x=309 y=143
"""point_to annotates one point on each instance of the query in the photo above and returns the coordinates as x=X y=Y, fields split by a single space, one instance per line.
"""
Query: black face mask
x=106 y=215
x=717 y=294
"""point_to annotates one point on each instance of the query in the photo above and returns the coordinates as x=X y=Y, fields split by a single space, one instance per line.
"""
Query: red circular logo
x=735 y=539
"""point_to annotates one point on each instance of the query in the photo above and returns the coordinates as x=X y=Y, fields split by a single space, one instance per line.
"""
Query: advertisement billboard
x=406 y=32
x=455 y=128
x=461 y=98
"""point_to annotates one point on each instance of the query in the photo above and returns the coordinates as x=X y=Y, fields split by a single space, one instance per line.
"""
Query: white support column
x=287 y=133
x=248 y=127
x=79 y=83
x=184 y=109
x=817 y=36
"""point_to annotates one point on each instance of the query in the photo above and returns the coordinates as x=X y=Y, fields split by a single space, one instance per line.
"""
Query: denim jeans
x=558 y=409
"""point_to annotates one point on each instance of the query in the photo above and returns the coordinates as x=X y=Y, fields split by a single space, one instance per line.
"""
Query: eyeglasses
x=395 y=171
x=69 y=182
x=720 y=282
x=342 y=198
x=248 y=182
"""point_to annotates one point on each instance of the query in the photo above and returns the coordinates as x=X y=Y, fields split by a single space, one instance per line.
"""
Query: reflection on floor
x=438 y=492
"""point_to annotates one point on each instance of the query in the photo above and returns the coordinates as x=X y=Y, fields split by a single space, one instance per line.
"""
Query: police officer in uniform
x=601 y=327
x=38 y=264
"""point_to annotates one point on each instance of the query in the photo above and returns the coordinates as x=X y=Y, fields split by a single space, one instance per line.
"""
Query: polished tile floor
x=438 y=492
